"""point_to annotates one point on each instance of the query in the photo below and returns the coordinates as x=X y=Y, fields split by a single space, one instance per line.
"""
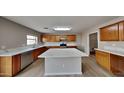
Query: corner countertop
x=19 y=51
x=63 y=52
x=115 y=52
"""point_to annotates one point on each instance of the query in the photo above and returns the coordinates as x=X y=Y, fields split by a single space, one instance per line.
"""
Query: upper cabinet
x=109 y=33
x=121 y=31
x=50 y=38
x=71 y=38
x=114 y=32
x=58 y=38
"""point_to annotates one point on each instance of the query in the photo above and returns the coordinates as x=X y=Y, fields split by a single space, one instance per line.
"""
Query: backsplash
x=112 y=43
x=58 y=43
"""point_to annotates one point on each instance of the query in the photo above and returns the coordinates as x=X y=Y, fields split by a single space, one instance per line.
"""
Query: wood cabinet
x=113 y=63
x=103 y=59
x=121 y=31
x=10 y=65
x=50 y=38
x=16 y=64
x=71 y=38
x=114 y=32
x=37 y=52
x=57 y=38
x=110 y=33
x=71 y=46
x=117 y=65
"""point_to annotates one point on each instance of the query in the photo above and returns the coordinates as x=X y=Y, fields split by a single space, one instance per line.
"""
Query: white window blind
x=32 y=40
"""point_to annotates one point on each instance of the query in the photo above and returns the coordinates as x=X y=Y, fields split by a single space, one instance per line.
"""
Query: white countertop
x=115 y=52
x=19 y=51
x=63 y=52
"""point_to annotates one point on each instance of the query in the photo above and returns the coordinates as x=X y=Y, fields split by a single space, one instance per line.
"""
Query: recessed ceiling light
x=46 y=28
x=62 y=28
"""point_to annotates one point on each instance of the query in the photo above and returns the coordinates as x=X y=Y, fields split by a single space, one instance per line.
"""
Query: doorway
x=93 y=42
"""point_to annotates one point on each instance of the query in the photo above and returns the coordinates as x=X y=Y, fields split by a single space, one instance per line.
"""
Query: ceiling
x=78 y=23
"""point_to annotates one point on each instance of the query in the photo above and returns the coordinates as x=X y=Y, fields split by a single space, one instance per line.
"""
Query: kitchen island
x=63 y=61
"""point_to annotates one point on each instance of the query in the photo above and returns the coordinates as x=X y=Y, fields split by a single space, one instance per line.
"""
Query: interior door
x=93 y=42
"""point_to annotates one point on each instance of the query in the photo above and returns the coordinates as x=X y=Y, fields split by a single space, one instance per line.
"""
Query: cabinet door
x=103 y=59
x=52 y=38
x=121 y=31
x=57 y=38
x=109 y=33
x=45 y=38
x=117 y=64
x=6 y=66
x=71 y=38
x=16 y=64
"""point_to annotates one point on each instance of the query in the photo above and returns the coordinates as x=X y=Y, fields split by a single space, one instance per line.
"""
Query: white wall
x=79 y=40
x=101 y=44
x=13 y=35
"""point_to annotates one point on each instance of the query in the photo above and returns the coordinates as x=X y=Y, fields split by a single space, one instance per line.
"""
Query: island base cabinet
x=63 y=66
x=9 y=65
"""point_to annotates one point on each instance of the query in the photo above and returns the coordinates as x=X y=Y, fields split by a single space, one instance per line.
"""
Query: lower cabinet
x=112 y=63
x=37 y=52
x=10 y=65
x=117 y=65
x=16 y=64
x=103 y=59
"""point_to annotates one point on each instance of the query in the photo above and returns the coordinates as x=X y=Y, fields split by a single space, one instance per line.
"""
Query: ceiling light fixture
x=62 y=28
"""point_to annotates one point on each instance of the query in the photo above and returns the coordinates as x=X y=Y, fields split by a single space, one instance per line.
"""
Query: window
x=32 y=40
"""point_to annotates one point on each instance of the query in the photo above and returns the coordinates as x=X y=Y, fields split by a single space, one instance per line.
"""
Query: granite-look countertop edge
x=62 y=53
x=18 y=51
x=111 y=52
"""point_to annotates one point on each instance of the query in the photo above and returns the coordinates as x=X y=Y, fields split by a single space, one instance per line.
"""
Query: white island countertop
x=63 y=52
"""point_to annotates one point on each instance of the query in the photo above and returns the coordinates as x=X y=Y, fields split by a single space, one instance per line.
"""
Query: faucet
x=34 y=46
x=6 y=50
